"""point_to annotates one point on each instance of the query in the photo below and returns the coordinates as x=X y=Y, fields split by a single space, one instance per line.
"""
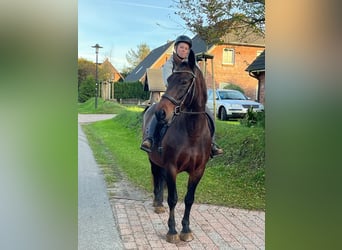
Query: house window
x=228 y=56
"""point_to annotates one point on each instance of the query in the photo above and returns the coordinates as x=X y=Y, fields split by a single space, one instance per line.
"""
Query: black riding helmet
x=183 y=39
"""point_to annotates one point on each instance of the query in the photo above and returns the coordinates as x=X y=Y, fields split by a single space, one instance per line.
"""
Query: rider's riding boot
x=147 y=143
x=215 y=150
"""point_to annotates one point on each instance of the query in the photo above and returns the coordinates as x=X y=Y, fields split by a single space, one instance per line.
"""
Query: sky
x=119 y=26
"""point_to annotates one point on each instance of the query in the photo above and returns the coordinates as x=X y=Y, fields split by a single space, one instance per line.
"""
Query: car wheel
x=223 y=114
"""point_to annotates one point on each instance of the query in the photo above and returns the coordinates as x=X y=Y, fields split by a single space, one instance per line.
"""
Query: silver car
x=231 y=104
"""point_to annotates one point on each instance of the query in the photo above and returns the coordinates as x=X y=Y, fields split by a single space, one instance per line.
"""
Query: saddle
x=162 y=128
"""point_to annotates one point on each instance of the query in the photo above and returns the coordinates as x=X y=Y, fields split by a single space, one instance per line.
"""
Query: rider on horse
x=182 y=47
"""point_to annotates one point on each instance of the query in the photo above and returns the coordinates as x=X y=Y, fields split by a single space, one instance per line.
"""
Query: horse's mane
x=200 y=81
x=202 y=87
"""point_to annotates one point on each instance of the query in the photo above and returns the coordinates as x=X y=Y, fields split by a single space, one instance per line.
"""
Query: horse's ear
x=192 y=59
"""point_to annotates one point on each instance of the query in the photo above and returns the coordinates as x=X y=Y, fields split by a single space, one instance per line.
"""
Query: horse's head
x=186 y=90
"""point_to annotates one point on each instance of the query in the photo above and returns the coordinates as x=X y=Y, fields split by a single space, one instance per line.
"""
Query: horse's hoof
x=157 y=203
x=172 y=238
x=159 y=210
x=186 y=236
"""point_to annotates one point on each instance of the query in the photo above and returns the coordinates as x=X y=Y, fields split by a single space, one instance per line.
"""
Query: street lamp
x=97 y=47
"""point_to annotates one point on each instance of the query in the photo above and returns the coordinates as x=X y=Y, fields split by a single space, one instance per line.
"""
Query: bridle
x=180 y=103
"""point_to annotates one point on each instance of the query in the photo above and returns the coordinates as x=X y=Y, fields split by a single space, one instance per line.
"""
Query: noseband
x=179 y=103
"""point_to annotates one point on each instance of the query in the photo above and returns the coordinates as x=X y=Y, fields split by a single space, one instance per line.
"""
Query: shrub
x=234 y=87
x=128 y=90
x=253 y=118
x=86 y=89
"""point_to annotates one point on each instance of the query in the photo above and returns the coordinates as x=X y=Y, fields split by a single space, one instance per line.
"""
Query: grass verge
x=236 y=179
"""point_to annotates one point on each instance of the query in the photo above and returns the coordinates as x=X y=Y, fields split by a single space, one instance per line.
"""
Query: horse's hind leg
x=158 y=188
x=186 y=234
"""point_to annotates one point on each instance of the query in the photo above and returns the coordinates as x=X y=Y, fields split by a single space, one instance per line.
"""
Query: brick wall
x=262 y=88
x=236 y=74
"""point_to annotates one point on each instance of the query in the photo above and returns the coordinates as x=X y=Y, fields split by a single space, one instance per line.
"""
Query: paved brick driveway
x=214 y=227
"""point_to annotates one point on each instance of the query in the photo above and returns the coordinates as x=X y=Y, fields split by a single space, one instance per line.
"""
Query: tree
x=125 y=71
x=212 y=19
x=105 y=71
x=135 y=57
x=87 y=77
x=252 y=14
x=85 y=68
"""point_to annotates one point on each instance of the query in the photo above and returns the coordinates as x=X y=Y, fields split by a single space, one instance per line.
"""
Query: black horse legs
x=160 y=176
x=186 y=234
x=158 y=187
x=172 y=198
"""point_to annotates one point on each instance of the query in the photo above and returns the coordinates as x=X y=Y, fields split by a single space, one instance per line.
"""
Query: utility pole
x=97 y=47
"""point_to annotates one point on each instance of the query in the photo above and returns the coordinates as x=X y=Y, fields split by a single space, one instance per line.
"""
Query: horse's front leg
x=158 y=187
x=172 y=235
x=186 y=233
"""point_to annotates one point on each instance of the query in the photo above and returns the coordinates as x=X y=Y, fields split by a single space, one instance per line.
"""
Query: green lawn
x=103 y=107
x=236 y=179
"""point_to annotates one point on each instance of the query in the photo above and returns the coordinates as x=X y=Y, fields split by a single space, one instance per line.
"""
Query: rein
x=179 y=103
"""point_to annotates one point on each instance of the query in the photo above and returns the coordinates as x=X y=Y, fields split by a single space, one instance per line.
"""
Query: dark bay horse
x=185 y=145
